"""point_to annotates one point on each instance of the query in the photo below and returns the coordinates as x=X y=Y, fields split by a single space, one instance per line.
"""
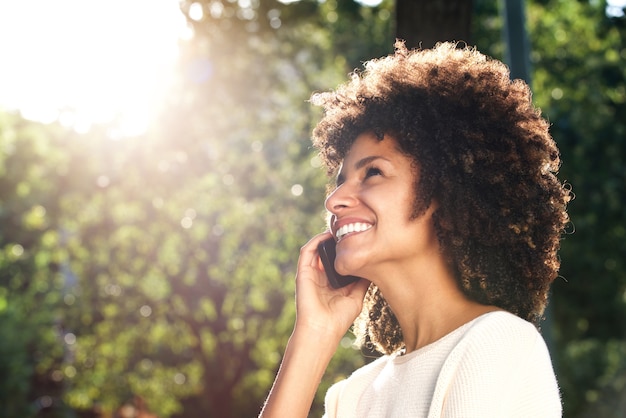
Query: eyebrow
x=359 y=165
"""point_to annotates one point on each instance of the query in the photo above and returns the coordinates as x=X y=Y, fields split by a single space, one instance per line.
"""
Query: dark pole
x=516 y=38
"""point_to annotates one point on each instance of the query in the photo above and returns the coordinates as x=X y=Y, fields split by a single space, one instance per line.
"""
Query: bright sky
x=87 y=61
x=615 y=7
x=90 y=61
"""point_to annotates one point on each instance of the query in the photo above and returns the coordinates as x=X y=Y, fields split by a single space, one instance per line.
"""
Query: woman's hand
x=323 y=315
x=321 y=308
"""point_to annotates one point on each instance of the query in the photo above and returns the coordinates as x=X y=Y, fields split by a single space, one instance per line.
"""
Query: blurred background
x=157 y=182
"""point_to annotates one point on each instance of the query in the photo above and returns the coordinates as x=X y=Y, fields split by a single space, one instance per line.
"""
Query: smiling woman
x=86 y=62
x=448 y=207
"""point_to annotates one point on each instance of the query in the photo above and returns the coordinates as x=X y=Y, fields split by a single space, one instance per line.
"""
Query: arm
x=323 y=315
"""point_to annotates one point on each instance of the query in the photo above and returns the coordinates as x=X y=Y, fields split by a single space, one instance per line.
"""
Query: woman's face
x=371 y=211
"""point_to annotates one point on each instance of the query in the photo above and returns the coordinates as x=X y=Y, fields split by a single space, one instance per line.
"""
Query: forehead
x=368 y=147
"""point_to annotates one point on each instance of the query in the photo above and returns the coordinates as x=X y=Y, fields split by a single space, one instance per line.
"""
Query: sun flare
x=84 y=61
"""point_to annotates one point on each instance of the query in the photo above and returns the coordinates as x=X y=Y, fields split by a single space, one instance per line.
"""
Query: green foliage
x=15 y=367
x=29 y=267
x=580 y=83
x=487 y=28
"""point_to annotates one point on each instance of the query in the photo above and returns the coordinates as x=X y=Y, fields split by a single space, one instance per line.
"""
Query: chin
x=348 y=269
x=350 y=262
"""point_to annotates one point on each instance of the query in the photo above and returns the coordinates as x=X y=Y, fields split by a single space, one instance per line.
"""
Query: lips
x=352 y=227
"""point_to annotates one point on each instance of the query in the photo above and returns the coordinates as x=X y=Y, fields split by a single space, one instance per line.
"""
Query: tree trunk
x=423 y=23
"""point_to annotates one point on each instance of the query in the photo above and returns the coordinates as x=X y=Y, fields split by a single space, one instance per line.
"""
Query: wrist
x=318 y=334
x=305 y=360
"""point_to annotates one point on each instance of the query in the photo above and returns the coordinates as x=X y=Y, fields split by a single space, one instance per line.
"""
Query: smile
x=349 y=228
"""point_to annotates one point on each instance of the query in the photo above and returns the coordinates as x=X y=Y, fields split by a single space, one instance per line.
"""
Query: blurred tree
x=31 y=348
x=578 y=55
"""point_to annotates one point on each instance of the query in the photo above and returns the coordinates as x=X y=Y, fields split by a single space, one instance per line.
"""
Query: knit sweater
x=497 y=365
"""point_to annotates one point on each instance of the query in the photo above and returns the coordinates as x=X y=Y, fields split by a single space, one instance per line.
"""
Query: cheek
x=420 y=225
x=409 y=204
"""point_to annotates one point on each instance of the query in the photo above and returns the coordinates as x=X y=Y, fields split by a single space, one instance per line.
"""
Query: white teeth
x=355 y=227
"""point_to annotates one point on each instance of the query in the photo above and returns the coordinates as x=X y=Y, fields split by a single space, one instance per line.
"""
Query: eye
x=372 y=171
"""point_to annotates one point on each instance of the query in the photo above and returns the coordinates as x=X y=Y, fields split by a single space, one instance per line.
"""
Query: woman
x=448 y=208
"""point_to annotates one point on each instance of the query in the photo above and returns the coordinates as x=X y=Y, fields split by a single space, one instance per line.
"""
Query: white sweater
x=496 y=366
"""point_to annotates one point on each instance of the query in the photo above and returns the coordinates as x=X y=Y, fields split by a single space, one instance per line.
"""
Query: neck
x=429 y=305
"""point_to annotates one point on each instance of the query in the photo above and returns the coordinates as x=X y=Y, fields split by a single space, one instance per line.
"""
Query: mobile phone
x=327 y=253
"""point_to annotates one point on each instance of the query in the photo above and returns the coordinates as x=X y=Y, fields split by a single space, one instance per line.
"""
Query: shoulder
x=349 y=390
x=503 y=320
x=502 y=326
x=501 y=341
x=501 y=367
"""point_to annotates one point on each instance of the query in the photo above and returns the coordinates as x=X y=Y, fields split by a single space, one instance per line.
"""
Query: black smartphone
x=327 y=253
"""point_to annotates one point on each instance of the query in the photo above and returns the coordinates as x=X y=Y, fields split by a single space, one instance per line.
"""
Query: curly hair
x=483 y=152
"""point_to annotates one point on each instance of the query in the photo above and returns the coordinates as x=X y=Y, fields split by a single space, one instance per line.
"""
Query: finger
x=309 y=255
x=361 y=286
x=357 y=289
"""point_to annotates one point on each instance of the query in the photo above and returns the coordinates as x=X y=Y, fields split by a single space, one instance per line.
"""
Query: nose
x=341 y=198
